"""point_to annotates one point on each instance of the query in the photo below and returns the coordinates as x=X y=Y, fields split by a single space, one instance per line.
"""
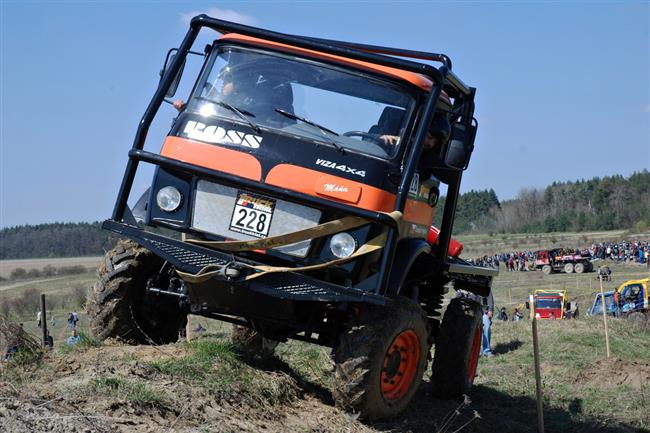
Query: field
x=204 y=386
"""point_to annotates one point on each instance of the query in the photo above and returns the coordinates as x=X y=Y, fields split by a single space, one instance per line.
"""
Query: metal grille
x=186 y=256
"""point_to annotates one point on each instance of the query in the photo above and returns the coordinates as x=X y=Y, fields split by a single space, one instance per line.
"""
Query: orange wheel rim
x=475 y=351
x=400 y=365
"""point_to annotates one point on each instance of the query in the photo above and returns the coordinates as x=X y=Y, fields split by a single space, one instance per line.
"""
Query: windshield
x=609 y=302
x=548 y=303
x=305 y=98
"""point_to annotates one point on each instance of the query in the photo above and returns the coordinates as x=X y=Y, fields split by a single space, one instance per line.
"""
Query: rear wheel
x=579 y=268
x=568 y=268
x=547 y=269
x=380 y=360
x=457 y=349
x=119 y=305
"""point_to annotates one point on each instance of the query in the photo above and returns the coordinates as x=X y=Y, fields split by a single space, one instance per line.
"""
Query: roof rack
x=393 y=57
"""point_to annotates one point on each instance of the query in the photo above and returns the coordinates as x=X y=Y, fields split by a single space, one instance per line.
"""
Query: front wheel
x=380 y=360
x=579 y=268
x=119 y=305
x=457 y=349
x=547 y=269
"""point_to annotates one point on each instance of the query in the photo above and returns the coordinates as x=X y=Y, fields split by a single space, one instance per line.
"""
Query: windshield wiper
x=320 y=128
x=242 y=114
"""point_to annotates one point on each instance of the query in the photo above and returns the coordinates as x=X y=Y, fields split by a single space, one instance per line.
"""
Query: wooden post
x=538 y=379
x=43 y=319
x=188 y=329
x=603 y=307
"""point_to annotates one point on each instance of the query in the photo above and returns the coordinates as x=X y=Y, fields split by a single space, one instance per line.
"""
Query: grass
x=572 y=385
x=213 y=365
x=138 y=393
x=582 y=390
x=85 y=341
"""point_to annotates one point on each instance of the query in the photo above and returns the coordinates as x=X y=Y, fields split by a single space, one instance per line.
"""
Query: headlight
x=342 y=245
x=169 y=198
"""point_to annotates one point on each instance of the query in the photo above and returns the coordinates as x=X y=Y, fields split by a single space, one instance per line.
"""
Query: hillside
x=54 y=240
x=207 y=386
x=608 y=203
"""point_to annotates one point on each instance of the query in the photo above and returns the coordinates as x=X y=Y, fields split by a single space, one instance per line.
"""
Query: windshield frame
x=409 y=89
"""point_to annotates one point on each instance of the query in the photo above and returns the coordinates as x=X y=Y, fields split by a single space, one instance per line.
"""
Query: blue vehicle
x=610 y=306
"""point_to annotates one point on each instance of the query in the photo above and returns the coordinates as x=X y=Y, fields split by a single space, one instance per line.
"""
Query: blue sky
x=563 y=88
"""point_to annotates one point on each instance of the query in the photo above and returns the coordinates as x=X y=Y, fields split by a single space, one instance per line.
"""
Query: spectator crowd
x=624 y=252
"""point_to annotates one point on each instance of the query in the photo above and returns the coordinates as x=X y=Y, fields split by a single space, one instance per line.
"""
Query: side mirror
x=461 y=145
x=171 y=54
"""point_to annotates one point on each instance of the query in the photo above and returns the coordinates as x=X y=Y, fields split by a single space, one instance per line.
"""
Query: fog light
x=169 y=199
x=342 y=245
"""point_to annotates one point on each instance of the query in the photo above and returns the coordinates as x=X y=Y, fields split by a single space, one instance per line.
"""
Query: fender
x=407 y=252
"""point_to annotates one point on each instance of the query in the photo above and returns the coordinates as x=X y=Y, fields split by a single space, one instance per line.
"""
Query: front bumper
x=286 y=286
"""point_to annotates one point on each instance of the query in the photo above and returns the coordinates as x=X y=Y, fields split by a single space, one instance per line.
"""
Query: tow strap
x=318 y=231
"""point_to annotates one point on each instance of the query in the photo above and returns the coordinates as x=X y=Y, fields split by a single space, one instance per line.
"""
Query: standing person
x=38 y=318
x=487 y=332
x=70 y=320
x=75 y=319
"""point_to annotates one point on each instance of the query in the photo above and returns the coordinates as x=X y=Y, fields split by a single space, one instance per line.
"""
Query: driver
x=437 y=135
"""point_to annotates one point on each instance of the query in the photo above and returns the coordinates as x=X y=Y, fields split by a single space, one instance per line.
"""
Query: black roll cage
x=442 y=77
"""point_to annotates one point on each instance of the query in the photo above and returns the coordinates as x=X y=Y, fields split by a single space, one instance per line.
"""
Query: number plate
x=252 y=214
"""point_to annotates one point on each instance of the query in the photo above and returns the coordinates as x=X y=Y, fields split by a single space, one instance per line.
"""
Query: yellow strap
x=210 y=271
x=318 y=231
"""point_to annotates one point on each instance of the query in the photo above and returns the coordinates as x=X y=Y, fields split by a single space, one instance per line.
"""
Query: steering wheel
x=362 y=134
x=386 y=147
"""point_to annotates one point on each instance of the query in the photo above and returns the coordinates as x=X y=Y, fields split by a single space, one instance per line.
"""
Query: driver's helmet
x=440 y=130
x=257 y=88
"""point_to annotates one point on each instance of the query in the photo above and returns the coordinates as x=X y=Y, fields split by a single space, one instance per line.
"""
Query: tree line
x=608 y=203
x=54 y=240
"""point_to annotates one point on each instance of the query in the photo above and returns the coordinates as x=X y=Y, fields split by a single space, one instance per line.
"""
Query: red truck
x=557 y=260
x=553 y=304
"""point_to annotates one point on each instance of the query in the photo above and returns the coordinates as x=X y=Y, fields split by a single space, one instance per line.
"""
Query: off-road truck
x=294 y=197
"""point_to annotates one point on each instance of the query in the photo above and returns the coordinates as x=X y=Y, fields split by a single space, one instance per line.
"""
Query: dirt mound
x=202 y=386
x=612 y=372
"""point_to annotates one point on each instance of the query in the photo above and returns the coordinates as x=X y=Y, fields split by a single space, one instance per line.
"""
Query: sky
x=563 y=88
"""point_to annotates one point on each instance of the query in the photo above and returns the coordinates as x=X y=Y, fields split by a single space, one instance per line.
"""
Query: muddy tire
x=251 y=342
x=637 y=316
x=547 y=269
x=568 y=268
x=457 y=349
x=119 y=306
x=579 y=268
x=380 y=360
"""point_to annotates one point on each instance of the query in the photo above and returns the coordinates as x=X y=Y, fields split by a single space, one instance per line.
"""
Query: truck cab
x=552 y=304
x=633 y=297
